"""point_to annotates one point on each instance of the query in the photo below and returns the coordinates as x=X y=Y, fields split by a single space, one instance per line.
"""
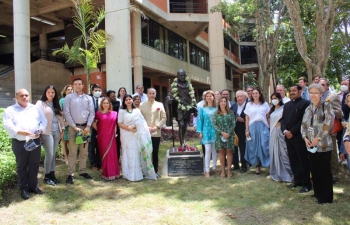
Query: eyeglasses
x=313 y=93
x=23 y=96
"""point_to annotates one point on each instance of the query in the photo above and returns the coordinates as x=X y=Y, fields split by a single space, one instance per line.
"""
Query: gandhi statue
x=181 y=103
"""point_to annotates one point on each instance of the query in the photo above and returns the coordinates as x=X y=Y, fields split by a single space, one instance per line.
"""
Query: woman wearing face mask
x=280 y=169
x=317 y=121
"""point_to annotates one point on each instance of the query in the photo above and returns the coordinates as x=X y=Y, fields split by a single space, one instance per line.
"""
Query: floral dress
x=224 y=123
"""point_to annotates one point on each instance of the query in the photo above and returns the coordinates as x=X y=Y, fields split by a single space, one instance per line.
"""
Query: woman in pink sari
x=105 y=123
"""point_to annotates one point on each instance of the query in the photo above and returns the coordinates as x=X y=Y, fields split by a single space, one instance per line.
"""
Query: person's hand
x=77 y=129
x=225 y=135
x=240 y=119
x=315 y=142
x=308 y=142
x=288 y=134
x=86 y=131
x=132 y=128
x=247 y=134
x=342 y=157
x=200 y=136
x=344 y=124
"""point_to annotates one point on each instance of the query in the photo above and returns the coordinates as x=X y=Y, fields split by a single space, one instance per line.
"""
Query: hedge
x=7 y=158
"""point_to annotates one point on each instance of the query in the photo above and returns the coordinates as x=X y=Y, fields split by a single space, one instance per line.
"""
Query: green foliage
x=7 y=158
x=87 y=46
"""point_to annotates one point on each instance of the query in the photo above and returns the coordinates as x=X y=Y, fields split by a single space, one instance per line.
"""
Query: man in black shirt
x=291 y=120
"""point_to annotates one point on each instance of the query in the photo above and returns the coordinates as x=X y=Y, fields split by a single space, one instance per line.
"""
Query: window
x=199 y=57
x=248 y=55
x=162 y=39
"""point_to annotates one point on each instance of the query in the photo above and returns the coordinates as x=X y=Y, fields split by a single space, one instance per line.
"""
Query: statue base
x=183 y=163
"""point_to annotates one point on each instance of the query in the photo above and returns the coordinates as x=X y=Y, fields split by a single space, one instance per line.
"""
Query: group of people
x=99 y=127
x=291 y=136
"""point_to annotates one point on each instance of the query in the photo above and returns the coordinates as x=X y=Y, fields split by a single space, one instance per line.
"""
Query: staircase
x=7 y=78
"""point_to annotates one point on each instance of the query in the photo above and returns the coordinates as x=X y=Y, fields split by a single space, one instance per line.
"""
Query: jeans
x=50 y=144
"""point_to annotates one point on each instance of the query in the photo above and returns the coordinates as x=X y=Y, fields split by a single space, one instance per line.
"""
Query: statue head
x=181 y=75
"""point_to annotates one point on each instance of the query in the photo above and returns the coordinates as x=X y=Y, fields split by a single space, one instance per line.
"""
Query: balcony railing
x=188 y=7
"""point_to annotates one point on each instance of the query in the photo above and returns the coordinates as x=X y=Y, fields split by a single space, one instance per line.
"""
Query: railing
x=188 y=7
x=7 y=60
x=45 y=54
x=6 y=63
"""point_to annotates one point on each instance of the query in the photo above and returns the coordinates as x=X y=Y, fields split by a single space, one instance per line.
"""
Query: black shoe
x=158 y=176
x=293 y=185
x=36 y=190
x=243 y=170
x=48 y=179
x=53 y=177
x=69 y=179
x=304 y=190
x=25 y=194
x=235 y=168
x=85 y=175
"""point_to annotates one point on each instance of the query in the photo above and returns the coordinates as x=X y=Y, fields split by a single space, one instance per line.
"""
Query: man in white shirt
x=25 y=121
x=280 y=89
x=139 y=92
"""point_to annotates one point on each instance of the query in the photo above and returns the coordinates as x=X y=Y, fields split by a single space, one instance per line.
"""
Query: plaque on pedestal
x=184 y=163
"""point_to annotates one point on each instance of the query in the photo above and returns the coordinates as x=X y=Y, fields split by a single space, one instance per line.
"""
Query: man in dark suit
x=291 y=120
x=93 y=151
x=242 y=99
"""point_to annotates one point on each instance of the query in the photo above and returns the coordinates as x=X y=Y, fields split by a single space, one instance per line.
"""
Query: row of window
x=164 y=40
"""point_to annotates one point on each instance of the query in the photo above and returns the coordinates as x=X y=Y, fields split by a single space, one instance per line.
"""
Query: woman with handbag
x=315 y=129
x=68 y=89
x=51 y=108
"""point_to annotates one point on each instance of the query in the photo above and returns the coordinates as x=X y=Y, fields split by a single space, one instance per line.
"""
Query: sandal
x=207 y=174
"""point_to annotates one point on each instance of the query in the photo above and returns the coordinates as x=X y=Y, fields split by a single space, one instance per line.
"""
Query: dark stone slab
x=183 y=165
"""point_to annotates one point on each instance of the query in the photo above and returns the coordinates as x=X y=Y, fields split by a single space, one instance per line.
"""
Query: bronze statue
x=181 y=103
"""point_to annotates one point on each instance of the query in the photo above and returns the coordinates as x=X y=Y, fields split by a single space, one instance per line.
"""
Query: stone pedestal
x=183 y=163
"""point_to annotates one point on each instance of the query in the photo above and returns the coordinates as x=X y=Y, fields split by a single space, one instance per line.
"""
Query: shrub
x=7 y=158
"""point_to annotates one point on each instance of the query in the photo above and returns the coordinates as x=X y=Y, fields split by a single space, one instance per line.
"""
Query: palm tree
x=86 y=49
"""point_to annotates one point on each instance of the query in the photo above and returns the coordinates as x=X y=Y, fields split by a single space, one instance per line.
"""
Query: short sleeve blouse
x=257 y=112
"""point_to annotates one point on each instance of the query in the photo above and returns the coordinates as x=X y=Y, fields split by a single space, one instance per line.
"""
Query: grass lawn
x=244 y=199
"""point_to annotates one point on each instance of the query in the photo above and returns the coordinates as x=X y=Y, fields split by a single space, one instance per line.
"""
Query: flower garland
x=175 y=94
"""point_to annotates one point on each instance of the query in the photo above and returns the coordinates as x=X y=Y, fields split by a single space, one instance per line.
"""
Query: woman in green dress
x=224 y=122
x=68 y=89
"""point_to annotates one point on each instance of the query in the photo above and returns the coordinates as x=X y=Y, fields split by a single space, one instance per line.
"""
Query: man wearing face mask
x=94 y=153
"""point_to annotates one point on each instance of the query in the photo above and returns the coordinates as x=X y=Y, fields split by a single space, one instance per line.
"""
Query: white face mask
x=344 y=88
x=275 y=101
x=97 y=94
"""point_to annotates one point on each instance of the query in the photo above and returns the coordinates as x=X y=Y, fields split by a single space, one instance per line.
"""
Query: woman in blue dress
x=207 y=132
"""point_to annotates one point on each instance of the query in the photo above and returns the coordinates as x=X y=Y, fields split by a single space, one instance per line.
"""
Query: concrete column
x=216 y=49
x=43 y=45
x=118 y=50
x=136 y=47
x=21 y=31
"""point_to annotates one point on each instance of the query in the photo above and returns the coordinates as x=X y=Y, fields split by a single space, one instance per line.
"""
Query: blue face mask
x=312 y=149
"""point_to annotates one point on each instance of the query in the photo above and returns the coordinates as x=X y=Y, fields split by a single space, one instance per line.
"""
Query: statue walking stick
x=171 y=117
